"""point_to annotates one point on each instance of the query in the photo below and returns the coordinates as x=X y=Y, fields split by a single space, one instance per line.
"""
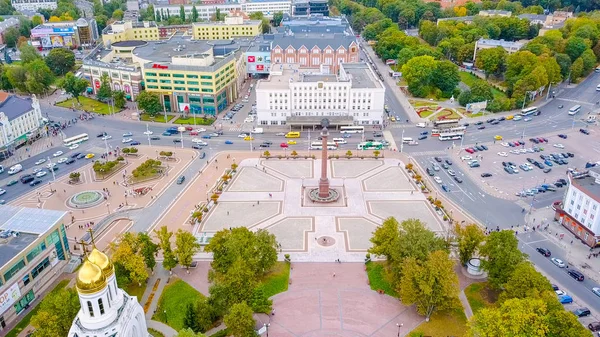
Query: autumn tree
x=525 y=282
x=501 y=255
x=73 y=85
x=430 y=284
x=164 y=237
x=469 y=239
x=239 y=321
x=186 y=246
x=56 y=313
x=125 y=253
x=385 y=238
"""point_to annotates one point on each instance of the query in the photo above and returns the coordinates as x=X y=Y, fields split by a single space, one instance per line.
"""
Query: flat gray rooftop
x=589 y=183
x=319 y=78
x=163 y=51
x=14 y=246
x=362 y=76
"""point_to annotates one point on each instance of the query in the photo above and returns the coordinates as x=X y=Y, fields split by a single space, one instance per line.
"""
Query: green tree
x=575 y=47
x=194 y=14
x=125 y=252
x=39 y=77
x=431 y=284
x=446 y=77
x=417 y=241
x=265 y=26
x=119 y=99
x=385 y=238
x=259 y=302
x=60 y=61
x=186 y=246
x=17 y=77
x=239 y=321
x=189 y=319
x=189 y=333
x=36 y=20
x=164 y=238
x=11 y=35
x=182 y=13
x=501 y=255
x=149 y=102
x=277 y=18
x=418 y=73
x=236 y=285
x=205 y=315
x=158 y=15
x=491 y=60
x=56 y=313
x=105 y=91
x=73 y=85
x=525 y=282
x=118 y=14
x=29 y=54
x=148 y=249
x=469 y=239
x=589 y=60
x=256 y=16
x=577 y=69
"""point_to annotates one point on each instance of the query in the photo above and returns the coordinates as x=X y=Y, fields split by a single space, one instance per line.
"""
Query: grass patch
x=137 y=291
x=378 y=278
x=418 y=104
x=155 y=333
x=173 y=303
x=447 y=323
x=470 y=79
x=480 y=296
x=158 y=118
x=277 y=280
x=190 y=121
x=24 y=323
x=426 y=113
x=87 y=104
x=449 y=114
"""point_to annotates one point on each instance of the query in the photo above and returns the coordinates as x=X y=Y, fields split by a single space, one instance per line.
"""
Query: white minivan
x=407 y=140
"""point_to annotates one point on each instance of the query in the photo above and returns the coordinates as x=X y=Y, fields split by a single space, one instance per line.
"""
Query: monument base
x=316 y=195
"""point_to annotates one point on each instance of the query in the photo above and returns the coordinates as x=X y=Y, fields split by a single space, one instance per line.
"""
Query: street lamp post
x=399 y=325
x=108 y=208
x=52 y=169
x=266 y=326
x=147 y=133
x=402 y=142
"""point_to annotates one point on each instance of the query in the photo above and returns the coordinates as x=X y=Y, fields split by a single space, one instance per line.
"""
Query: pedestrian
x=227 y=212
x=333 y=274
x=571 y=241
x=258 y=202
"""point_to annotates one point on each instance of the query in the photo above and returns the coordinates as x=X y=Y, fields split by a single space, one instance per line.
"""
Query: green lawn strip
x=135 y=290
x=155 y=333
x=87 y=104
x=419 y=104
x=277 y=280
x=156 y=118
x=378 y=278
x=173 y=302
x=221 y=333
x=448 y=323
x=426 y=113
x=480 y=296
x=24 y=323
x=190 y=121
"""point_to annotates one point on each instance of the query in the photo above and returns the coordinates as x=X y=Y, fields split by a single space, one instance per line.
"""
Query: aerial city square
x=299 y=168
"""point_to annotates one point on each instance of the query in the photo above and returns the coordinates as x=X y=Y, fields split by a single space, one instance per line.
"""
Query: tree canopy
x=501 y=256
x=56 y=313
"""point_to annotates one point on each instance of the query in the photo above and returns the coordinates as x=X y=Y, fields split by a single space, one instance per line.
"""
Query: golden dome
x=101 y=260
x=90 y=278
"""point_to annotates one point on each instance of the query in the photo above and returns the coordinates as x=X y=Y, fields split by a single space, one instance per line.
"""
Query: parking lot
x=500 y=158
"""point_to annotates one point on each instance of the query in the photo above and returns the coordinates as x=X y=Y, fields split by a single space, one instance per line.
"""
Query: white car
x=249 y=120
x=41 y=174
x=148 y=132
x=127 y=134
x=40 y=161
x=522 y=151
x=527 y=119
x=505 y=144
x=74 y=146
x=560 y=146
x=36 y=170
x=503 y=154
x=280 y=134
x=201 y=130
x=558 y=262
x=437 y=180
x=560 y=292
x=466 y=157
x=126 y=140
x=107 y=137
x=451 y=172
x=2 y=191
x=51 y=165
x=514 y=151
x=57 y=153
x=63 y=160
x=199 y=141
x=596 y=291
x=243 y=135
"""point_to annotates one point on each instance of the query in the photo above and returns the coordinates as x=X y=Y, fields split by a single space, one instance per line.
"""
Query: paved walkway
x=163 y=328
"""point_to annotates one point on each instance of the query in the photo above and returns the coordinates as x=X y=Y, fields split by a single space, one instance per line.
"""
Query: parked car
x=565 y=299
x=594 y=326
x=457 y=179
x=584 y=131
x=180 y=180
x=135 y=142
x=563 y=136
x=582 y=312
x=486 y=175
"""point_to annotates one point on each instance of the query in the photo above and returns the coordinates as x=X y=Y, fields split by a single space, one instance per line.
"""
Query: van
x=576 y=275
x=574 y=110
x=258 y=130
x=15 y=169
x=407 y=140
x=339 y=141
x=420 y=125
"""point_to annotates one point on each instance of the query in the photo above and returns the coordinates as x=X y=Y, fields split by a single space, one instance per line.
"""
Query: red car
x=517 y=144
x=470 y=150
x=189 y=128
x=283 y=145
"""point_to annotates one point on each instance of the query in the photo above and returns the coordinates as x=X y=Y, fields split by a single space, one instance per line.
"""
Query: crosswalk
x=427 y=153
x=235 y=129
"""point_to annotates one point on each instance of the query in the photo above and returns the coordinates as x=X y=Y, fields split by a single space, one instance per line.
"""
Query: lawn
x=470 y=79
x=87 y=104
x=155 y=333
x=158 y=118
x=450 y=114
x=378 y=278
x=480 y=296
x=277 y=280
x=479 y=114
x=418 y=104
x=135 y=290
x=25 y=321
x=442 y=324
x=426 y=113
x=190 y=121
x=173 y=303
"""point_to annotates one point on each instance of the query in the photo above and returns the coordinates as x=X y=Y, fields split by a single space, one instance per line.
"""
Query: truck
x=15 y=169
x=258 y=130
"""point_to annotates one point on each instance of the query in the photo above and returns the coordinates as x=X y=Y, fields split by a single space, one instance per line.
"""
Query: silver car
x=558 y=262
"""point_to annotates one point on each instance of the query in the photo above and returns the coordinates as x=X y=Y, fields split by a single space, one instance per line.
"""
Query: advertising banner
x=251 y=59
x=46 y=42
x=68 y=41
x=57 y=41
x=9 y=297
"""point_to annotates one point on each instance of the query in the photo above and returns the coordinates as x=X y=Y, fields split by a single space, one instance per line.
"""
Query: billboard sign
x=258 y=63
x=476 y=107
x=9 y=297
x=260 y=67
x=251 y=59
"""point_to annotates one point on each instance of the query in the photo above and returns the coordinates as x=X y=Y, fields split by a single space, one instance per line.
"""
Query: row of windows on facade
x=283 y=122
x=113 y=75
x=339 y=107
x=297 y=113
x=315 y=50
x=205 y=29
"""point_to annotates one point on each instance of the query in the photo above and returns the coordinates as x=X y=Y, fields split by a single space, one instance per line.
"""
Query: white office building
x=303 y=97
x=33 y=5
x=20 y=120
x=267 y=7
x=206 y=12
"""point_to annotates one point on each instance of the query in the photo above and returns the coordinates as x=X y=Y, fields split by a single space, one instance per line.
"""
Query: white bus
x=352 y=129
x=529 y=111
x=76 y=139
x=450 y=136
x=370 y=146
x=438 y=131
x=339 y=141
x=574 y=110
x=319 y=146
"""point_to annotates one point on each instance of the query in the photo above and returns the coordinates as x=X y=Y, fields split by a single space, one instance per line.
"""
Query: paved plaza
x=271 y=194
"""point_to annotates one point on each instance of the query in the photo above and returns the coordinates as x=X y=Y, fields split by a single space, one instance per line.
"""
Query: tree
x=149 y=102
x=148 y=249
x=515 y=317
x=235 y=286
x=189 y=319
x=119 y=99
x=491 y=61
x=575 y=47
x=29 y=53
x=218 y=16
x=17 y=77
x=525 y=282
x=277 y=18
x=446 y=77
x=36 y=20
x=60 y=61
x=118 y=14
x=501 y=255
x=188 y=333
x=39 y=77
x=469 y=239
x=56 y=313
x=265 y=26
x=11 y=35
x=105 y=91
x=385 y=238
x=577 y=69
x=125 y=252
x=158 y=15
x=589 y=60
x=194 y=14
x=416 y=241
x=186 y=246
x=205 y=315
x=418 y=73
x=432 y=284
x=256 y=16
x=182 y=13
x=164 y=237
x=73 y=85
x=239 y=321
x=260 y=302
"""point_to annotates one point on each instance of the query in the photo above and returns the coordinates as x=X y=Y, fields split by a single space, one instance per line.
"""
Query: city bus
x=319 y=146
x=370 y=146
x=529 y=111
x=292 y=135
x=446 y=122
x=76 y=139
x=352 y=129
x=437 y=131
x=450 y=136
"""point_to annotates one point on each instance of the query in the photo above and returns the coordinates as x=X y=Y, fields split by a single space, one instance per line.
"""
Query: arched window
x=110 y=298
x=90 y=308
x=101 y=306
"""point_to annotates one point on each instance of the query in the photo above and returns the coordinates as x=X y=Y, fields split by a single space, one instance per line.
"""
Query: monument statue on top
x=324 y=193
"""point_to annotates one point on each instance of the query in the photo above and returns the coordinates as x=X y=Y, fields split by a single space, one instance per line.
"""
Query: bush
x=104 y=168
x=120 y=158
x=74 y=176
x=146 y=169
x=166 y=153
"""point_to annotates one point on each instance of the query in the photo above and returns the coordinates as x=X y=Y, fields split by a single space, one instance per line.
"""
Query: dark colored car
x=563 y=136
x=479 y=123
x=135 y=142
x=594 y=326
x=154 y=137
x=12 y=182
x=584 y=131
x=430 y=172
x=70 y=161
x=481 y=127
x=264 y=145
x=26 y=178
x=35 y=182
x=203 y=155
x=486 y=175
x=75 y=155
x=448 y=161
x=196 y=146
x=547 y=170
x=81 y=156
x=484 y=147
x=582 y=312
x=438 y=159
x=554 y=287
x=544 y=251
x=180 y=180
x=102 y=134
x=576 y=275
x=457 y=179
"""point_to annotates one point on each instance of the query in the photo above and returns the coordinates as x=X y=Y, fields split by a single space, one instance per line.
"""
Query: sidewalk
x=37 y=147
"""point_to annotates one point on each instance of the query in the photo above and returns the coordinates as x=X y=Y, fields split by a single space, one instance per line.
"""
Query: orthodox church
x=106 y=310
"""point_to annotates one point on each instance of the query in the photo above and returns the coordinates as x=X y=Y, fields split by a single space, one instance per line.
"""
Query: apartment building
x=233 y=26
x=33 y=5
x=510 y=46
x=206 y=10
x=128 y=30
